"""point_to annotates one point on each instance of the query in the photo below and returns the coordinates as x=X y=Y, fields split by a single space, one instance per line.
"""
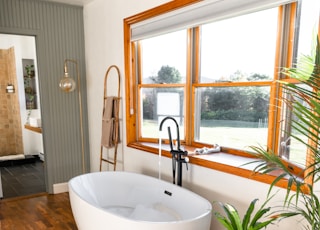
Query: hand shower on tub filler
x=205 y=150
x=179 y=156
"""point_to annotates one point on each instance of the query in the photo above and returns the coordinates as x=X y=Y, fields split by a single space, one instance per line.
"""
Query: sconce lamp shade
x=67 y=84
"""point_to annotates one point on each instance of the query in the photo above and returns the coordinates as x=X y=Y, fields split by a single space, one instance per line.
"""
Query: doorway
x=22 y=168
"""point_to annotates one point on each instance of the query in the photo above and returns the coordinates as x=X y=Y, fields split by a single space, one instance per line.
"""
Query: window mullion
x=194 y=125
x=188 y=93
x=284 y=52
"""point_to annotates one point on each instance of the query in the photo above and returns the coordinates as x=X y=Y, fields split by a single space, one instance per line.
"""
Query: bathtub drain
x=168 y=193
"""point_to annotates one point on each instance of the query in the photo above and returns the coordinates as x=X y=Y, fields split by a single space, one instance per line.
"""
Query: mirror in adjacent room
x=21 y=142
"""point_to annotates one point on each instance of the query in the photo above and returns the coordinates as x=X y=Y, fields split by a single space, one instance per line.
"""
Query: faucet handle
x=186 y=160
x=183 y=152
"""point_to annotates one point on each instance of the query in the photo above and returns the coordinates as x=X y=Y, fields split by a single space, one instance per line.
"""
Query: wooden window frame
x=150 y=145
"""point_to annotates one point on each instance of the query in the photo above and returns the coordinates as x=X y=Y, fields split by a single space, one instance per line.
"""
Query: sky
x=228 y=45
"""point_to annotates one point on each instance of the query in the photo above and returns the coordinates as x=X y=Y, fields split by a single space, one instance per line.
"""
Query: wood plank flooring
x=37 y=212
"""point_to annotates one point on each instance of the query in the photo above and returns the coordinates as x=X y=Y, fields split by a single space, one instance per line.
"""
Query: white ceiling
x=71 y=2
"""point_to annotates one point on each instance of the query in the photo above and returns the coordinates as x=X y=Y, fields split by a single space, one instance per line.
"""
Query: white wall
x=104 y=47
x=25 y=48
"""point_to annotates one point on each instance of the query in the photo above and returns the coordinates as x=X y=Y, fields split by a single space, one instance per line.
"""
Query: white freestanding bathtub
x=123 y=200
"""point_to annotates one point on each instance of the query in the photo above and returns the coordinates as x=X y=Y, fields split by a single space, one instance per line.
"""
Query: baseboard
x=20 y=159
x=60 y=188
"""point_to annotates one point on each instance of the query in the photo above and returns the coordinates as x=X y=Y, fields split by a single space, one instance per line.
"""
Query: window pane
x=240 y=48
x=292 y=136
x=234 y=117
x=308 y=26
x=164 y=58
x=157 y=103
x=291 y=148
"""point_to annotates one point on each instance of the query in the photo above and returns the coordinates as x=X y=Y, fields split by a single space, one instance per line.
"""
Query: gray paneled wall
x=59 y=35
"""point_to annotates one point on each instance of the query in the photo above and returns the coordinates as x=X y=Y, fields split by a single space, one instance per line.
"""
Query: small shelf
x=32 y=128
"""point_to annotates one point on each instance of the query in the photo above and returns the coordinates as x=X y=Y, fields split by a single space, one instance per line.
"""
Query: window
x=290 y=148
x=232 y=92
x=306 y=28
x=239 y=48
x=232 y=115
x=217 y=79
x=162 y=63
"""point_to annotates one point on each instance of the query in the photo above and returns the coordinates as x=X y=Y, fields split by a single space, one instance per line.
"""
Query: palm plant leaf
x=233 y=215
x=270 y=162
x=232 y=221
x=223 y=220
x=309 y=210
x=255 y=224
x=304 y=103
x=251 y=221
x=247 y=216
x=258 y=216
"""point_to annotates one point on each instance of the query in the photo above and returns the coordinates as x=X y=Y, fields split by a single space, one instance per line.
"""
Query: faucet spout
x=169 y=131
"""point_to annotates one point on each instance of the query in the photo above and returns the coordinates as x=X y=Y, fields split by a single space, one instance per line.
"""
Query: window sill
x=220 y=161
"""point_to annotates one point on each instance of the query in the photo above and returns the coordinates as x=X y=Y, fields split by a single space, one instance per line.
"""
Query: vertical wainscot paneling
x=59 y=33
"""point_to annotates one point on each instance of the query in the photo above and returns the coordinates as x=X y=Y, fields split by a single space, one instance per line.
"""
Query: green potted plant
x=297 y=202
x=305 y=106
x=252 y=220
x=29 y=70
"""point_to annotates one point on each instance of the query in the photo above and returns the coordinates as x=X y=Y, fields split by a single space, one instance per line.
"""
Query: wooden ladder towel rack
x=110 y=124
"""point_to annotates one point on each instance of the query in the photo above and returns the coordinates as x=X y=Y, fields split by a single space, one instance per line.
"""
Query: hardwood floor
x=37 y=212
